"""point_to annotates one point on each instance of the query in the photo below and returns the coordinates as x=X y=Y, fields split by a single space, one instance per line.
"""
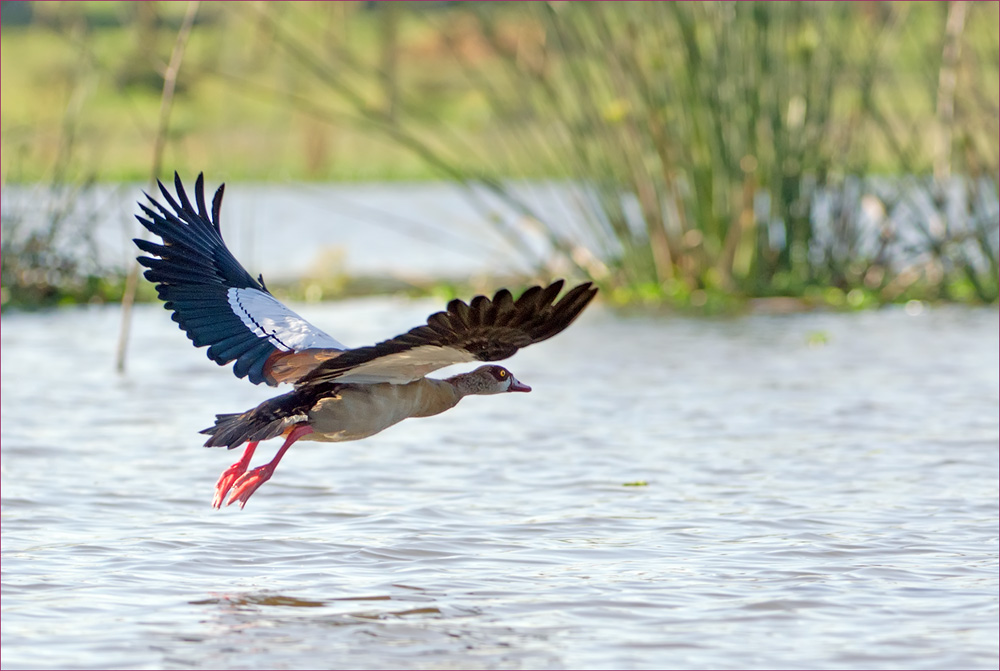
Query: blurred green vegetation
x=94 y=70
x=706 y=138
x=240 y=109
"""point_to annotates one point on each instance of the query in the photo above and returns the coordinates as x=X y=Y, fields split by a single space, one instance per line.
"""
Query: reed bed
x=720 y=150
x=707 y=153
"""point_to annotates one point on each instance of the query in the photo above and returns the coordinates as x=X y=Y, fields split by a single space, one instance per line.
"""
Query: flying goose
x=339 y=393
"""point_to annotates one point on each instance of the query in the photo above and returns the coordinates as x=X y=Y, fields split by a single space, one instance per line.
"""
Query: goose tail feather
x=268 y=420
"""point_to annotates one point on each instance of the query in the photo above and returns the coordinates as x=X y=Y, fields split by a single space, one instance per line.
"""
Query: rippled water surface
x=815 y=490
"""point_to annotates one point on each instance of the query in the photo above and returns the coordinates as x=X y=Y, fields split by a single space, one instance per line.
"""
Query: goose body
x=339 y=393
x=361 y=410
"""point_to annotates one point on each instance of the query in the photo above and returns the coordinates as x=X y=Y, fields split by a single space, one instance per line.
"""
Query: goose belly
x=359 y=411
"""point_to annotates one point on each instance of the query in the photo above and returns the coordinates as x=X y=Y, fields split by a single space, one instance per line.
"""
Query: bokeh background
x=696 y=154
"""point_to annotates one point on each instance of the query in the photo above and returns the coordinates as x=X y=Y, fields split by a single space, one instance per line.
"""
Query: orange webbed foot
x=249 y=483
x=230 y=475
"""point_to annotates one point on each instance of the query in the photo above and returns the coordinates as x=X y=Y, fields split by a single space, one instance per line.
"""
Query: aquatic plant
x=698 y=153
x=704 y=141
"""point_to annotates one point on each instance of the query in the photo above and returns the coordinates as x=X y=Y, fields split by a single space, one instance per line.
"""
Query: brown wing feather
x=292 y=366
x=483 y=330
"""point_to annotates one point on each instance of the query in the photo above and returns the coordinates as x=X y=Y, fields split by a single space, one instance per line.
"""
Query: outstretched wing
x=213 y=298
x=482 y=330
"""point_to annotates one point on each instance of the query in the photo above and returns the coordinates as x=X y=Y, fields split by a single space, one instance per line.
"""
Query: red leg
x=250 y=481
x=230 y=474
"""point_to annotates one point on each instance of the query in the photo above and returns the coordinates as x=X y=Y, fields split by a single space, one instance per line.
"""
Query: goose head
x=488 y=380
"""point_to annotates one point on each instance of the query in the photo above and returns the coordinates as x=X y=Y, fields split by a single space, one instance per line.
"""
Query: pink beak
x=516 y=385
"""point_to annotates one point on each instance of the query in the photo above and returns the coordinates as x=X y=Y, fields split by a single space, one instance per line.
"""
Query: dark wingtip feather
x=502 y=308
x=167 y=196
x=199 y=194
x=550 y=292
x=217 y=209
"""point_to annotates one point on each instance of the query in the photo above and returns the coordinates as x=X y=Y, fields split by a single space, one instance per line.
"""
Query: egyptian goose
x=339 y=393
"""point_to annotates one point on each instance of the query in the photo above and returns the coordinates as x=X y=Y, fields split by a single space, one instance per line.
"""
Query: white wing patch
x=267 y=318
x=405 y=367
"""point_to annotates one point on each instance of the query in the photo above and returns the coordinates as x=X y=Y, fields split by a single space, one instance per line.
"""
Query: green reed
x=702 y=136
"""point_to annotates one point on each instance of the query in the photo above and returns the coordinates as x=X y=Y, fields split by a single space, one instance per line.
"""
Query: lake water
x=424 y=231
x=810 y=490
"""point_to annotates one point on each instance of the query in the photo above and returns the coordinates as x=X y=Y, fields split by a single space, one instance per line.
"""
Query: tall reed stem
x=162 y=127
